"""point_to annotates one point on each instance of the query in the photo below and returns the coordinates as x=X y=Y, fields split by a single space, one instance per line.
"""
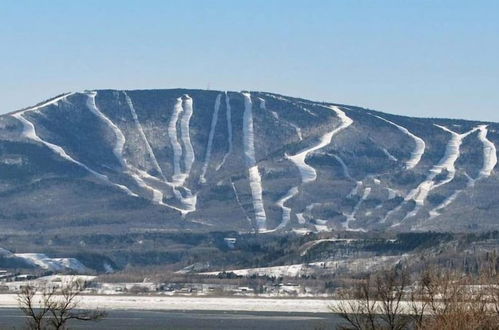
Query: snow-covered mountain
x=170 y=160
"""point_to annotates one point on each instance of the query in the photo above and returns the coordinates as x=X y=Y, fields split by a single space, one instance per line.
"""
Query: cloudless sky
x=419 y=58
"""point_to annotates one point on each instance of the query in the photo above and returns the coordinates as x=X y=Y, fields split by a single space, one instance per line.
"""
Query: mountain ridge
x=275 y=140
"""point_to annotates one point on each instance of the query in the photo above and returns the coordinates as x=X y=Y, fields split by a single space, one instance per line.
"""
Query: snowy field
x=193 y=303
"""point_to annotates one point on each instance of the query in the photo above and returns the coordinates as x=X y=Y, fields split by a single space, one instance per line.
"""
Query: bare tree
x=47 y=308
x=375 y=303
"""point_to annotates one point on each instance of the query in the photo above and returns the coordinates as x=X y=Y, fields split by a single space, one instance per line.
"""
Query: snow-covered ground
x=29 y=132
x=228 y=115
x=446 y=163
x=255 y=179
x=353 y=265
x=278 y=118
x=286 y=211
x=351 y=216
x=213 y=126
x=419 y=147
x=193 y=303
x=54 y=264
x=308 y=173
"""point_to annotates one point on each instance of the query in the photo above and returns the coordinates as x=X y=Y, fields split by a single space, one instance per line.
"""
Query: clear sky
x=419 y=58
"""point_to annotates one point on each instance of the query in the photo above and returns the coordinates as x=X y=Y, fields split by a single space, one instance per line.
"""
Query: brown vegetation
x=437 y=299
x=49 y=308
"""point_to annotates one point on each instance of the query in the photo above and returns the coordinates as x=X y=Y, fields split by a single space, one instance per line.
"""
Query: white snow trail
x=239 y=201
x=182 y=111
x=29 y=132
x=213 y=126
x=189 y=201
x=489 y=153
x=185 y=135
x=447 y=163
x=286 y=211
x=389 y=155
x=489 y=163
x=143 y=136
x=229 y=131
x=307 y=172
x=351 y=216
x=276 y=116
x=178 y=177
x=254 y=175
x=120 y=138
x=419 y=149
x=157 y=195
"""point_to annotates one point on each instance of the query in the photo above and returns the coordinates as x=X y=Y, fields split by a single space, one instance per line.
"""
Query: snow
x=178 y=177
x=296 y=104
x=53 y=264
x=229 y=131
x=447 y=163
x=286 y=211
x=143 y=136
x=389 y=155
x=307 y=172
x=163 y=303
x=312 y=244
x=419 y=149
x=239 y=201
x=29 y=132
x=182 y=111
x=254 y=175
x=489 y=163
x=351 y=216
x=120 y=138
x=207 y=157
x=185 y=134
x=276 y=116
x=489 y=153
x=356 y=264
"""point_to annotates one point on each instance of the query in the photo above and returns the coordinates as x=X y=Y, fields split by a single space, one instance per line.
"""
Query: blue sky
x=418 y=58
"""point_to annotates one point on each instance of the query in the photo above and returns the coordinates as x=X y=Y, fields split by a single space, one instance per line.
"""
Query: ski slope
x=255 y=179
x=419 y=148
x=214 y=120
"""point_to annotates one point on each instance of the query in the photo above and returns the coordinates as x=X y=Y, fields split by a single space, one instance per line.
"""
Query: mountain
x=110 y=161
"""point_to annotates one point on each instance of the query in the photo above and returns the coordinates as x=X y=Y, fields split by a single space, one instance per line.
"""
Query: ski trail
x=229 y=131
x=254 y=175
x=143 y=136
x=189 y=201
x=185 y=135
x=351 y=216
x=344 y=167
x=29 y=132
x=239 y=201
x=176 y=147
x=182 y=112
x=447 y=163
x=299 y=106
x=489 y=153
x=286 y=211
x=157 y=195
x=307 y=172
x=489 y=163
x=207 y=157
x=389 y=155
x=120 y=138
x=276 y=116
x=419 y=149
x=346 y=174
